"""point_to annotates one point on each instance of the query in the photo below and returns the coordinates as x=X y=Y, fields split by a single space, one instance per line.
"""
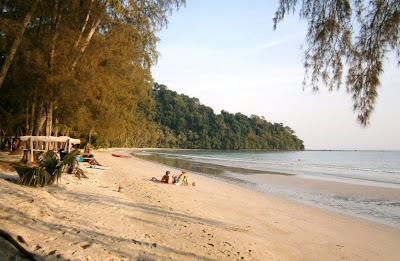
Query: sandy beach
x=89 y=219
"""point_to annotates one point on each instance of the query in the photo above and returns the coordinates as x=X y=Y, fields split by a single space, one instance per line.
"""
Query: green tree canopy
x=82 y=66
x=183 y=122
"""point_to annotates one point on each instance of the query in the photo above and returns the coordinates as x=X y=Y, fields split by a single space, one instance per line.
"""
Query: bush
x=49 y=170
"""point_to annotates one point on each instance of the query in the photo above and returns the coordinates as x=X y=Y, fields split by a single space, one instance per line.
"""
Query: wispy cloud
x=282 y=40
x=270 y=44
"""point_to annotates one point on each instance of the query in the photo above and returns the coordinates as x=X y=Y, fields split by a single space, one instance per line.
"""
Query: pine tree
x=334 y=44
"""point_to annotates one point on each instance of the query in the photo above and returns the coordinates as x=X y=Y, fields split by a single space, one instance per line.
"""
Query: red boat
x=121 y=156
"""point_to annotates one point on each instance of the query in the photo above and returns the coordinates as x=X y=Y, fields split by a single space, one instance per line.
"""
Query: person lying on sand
x=167 y=178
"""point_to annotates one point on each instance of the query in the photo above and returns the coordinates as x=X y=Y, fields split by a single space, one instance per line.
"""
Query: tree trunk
x=10 y=239
x=31 y=120
x=84 y=25
x=40 y=18
x=33 y=111
x=49 y=122
x=90 y=135
x=56 y=127
x=55 y=20
x=15 y=44
x=90 y=35
x=40 y=118
x=26 y=118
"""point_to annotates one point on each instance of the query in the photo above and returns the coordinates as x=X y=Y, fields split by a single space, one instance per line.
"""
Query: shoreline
x=212 y=221
x=305 y=150
x=345 y=180
x=376 y=201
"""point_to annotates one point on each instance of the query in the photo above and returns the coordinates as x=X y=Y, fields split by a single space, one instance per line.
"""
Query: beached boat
x=121 y=156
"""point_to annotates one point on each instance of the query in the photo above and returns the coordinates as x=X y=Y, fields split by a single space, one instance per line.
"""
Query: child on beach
x=183 y=179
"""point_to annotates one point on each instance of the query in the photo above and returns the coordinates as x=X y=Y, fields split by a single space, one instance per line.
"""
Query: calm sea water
x=367 y=183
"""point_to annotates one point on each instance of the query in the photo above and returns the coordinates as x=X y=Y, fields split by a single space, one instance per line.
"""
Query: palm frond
x=50 y=162
x=50 y=169
x=20 y=169
x=33 y=177
x=70 y=159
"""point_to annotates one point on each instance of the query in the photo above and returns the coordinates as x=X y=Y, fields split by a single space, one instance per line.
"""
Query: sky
x=226 y=53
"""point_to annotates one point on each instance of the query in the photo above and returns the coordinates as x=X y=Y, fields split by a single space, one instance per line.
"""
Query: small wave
x=304 y=167
x=269 y=165
x=389 y=171
x=263 y=162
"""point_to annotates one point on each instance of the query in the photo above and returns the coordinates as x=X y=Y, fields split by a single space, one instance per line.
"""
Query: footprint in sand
x=148 y=236
x=36 y=247
x=74 y=230
x=50 y=239
x=85 y=245
x=52 y=252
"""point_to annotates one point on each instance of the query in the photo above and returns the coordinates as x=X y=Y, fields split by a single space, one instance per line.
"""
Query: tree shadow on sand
x=105 y=201
x=107 y=241
x=96 y=235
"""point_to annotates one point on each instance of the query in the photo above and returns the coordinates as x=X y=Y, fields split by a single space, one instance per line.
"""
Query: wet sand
x=89 y=220
x=345 y=189
x=371 y=200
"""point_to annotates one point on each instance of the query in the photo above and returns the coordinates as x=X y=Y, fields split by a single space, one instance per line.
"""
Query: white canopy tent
x=47 y=140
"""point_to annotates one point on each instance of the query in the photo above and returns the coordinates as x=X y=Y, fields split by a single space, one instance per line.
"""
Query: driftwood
x=17 y=245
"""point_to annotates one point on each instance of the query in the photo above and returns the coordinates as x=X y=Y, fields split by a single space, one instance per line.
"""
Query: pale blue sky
x=226 y=53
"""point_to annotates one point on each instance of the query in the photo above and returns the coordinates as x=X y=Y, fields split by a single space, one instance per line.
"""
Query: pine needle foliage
x=347 y=43
x=82 y=64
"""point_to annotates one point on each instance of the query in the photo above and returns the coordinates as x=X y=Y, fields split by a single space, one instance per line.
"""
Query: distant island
x=183 y=122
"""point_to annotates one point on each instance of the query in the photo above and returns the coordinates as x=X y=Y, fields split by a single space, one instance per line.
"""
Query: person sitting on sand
x=175 y=178
x=167 y=178
x=183 y=179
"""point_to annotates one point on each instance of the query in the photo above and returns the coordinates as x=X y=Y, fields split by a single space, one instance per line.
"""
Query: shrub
x=49 y=170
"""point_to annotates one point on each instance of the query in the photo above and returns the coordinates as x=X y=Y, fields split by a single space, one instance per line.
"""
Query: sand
x=88 y=219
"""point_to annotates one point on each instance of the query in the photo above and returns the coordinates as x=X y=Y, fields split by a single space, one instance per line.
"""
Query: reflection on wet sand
x=200 y=167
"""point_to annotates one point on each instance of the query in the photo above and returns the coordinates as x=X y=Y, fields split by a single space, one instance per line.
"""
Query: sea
x=365 y=184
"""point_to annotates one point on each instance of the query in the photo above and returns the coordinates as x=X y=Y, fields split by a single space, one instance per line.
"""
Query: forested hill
x=183 y=122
